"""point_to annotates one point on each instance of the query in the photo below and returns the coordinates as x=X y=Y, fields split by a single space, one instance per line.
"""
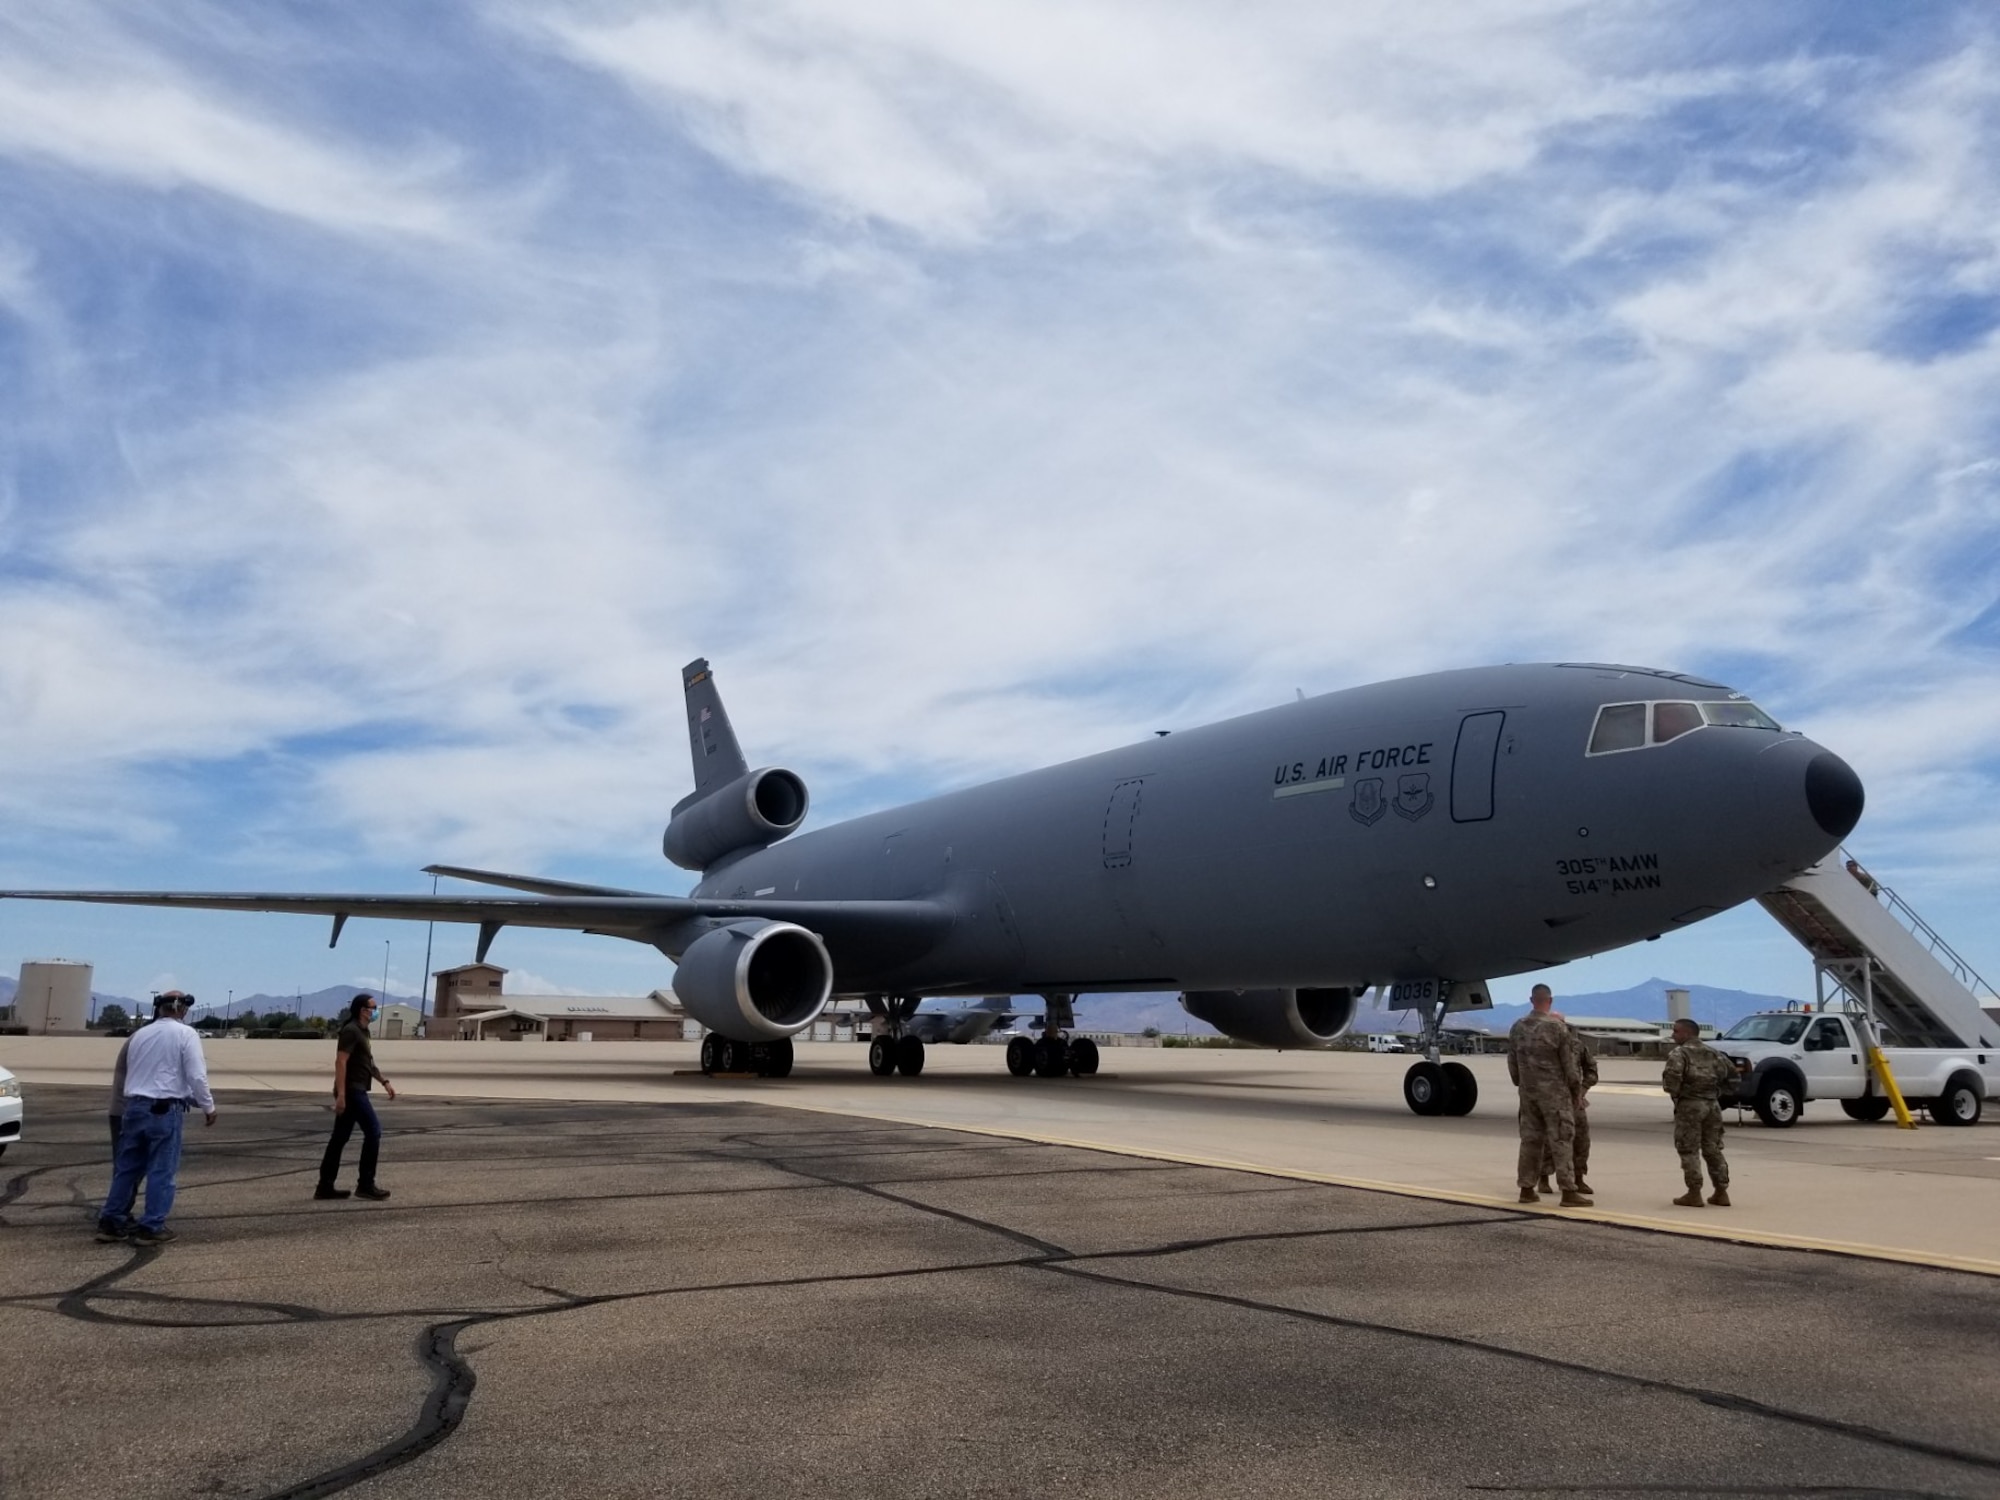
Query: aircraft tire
x=1051 y=1057
x=882 y=1056
x=708 y=1053
x=910 y=1056
x=1083 y=1057
x=1424 y=1088
x=1461 y=1089
x=778 y=1059
x=1020 y=1057
x=1778 y=1104
x=1960 y=1103
x=1868 y=1110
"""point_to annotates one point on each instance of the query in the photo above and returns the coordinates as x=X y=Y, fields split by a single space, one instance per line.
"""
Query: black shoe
x=142 y=1236
x=109 y=1233
x=328 y=1190
x=372 y=1191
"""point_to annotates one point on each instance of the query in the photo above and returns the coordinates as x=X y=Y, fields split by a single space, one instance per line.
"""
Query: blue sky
x=397 y=396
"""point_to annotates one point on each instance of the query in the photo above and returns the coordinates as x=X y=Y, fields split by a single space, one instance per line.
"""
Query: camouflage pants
x=1548 y=1124
x=1579 y=1150
x=1698 y=1138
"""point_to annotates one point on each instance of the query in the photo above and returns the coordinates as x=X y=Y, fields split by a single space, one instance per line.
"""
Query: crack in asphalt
x=1725 y=1400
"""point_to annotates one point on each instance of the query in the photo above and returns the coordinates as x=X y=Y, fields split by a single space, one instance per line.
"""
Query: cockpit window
x=1784 y=1030
x=1620 y=726
x=1672 y=720
x=1737 y=714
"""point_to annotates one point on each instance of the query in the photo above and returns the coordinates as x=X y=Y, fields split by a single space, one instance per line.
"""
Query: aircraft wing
x=860 y=935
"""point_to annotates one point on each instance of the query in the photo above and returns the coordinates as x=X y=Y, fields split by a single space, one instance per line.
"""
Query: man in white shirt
x=165 y=1073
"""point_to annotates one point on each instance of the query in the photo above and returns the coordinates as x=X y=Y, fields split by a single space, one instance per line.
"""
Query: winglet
x=718 y=760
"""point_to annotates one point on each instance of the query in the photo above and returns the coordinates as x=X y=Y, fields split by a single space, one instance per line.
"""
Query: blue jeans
x=360 y=1112
x=149 y=1146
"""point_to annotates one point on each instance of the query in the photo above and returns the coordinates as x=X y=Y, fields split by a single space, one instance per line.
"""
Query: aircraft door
x=1120 y=817
x=1472 y=767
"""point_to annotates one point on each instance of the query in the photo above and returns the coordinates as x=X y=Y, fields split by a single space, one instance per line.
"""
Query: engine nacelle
x=755 y=981
x=1275 y=1018
x=757 y=808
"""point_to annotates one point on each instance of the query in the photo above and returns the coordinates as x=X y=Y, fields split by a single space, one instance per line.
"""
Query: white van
x=1384 y=1041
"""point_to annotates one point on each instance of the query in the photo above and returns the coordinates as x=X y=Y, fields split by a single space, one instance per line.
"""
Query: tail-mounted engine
x=757 y=808
x=755 y=980
x=1275 y=1018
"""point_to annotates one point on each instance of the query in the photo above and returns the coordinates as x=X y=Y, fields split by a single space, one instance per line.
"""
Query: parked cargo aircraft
x=1429 y=834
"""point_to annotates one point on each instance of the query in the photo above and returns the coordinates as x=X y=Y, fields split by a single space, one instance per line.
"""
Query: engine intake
x=1275 y=1018
x=755 y=981
x=757 y=808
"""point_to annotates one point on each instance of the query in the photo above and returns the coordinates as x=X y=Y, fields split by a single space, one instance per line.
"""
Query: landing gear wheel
x=1870 y=1109
x=1083 y=1057
x=777 y=1059
x=1778 y=1104
x=1020 y=1057
x=882 y=1056
x=1051 y=1057
x=708 y=1053
x=1461 y=1089
x=1424 y=1088
x=1960 y=1103
x=910 y=1056
x=731 y=1056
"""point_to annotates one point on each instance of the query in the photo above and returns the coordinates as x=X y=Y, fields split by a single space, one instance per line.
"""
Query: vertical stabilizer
x=718 y=760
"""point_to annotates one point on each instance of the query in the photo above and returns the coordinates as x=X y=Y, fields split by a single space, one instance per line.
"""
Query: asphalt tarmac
x=638 y=1299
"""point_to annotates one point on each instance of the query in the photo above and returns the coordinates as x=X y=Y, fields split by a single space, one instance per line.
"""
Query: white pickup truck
x=1786 y=1057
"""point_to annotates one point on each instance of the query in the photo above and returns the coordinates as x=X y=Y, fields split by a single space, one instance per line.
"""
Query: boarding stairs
x=1873 y=945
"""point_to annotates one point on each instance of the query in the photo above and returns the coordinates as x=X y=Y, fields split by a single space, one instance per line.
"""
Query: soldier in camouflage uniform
x=1693 y=1073
x=1586 y=1067
x=1543 y=1067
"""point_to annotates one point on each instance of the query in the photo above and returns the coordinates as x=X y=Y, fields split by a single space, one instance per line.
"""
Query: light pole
x=424 y=994
x=228 y=1009
x=384 y=996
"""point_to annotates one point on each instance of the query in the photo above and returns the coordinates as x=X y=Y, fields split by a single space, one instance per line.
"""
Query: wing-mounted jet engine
x=757 y=978
x=732 y=809
x=1276 y=1018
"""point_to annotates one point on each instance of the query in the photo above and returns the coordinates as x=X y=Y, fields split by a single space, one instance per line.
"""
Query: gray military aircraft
x=1428 y=834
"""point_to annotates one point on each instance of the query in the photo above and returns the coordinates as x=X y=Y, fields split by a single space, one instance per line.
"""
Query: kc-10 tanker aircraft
x=1428 y=835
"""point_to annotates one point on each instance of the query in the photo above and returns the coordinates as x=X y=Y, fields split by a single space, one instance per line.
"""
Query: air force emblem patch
x=1413 y=796
x=1367 y=805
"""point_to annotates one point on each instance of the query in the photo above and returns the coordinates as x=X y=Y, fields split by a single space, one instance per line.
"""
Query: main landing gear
x=721 y=1054
x=1438 y=1088
x=1053 y=1054
x=894 y=1050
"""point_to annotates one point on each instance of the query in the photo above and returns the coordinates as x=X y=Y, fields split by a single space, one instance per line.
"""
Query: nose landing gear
x=1432 y=1087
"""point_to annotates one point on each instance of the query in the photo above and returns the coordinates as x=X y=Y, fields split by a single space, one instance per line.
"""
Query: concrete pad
x=638 y=1299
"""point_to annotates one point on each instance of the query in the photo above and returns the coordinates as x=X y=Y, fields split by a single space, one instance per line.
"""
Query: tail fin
x=718 y=760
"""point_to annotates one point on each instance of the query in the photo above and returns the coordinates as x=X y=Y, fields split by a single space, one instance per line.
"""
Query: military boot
x=1720 y=1197
x=1690 y=1199
x=1545 y=1186
x=1571 y=1198
x=1529 y=1195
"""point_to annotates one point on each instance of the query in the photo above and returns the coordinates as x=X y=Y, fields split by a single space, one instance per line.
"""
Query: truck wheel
x=1960 y=1103
x=1874 y=1107
x=1778 y=1103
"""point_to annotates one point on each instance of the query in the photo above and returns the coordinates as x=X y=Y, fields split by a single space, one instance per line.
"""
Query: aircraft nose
x=1833 y=794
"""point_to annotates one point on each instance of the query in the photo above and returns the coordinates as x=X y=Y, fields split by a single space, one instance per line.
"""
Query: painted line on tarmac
x=1770 y=1238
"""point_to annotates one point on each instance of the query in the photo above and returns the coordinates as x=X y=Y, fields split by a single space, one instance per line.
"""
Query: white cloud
x=1005 y=384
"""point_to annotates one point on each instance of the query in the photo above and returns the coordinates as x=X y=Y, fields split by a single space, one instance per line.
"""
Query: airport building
x=470 y=1004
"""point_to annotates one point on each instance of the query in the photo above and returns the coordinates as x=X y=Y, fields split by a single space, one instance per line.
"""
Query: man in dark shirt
x=353 y=1071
